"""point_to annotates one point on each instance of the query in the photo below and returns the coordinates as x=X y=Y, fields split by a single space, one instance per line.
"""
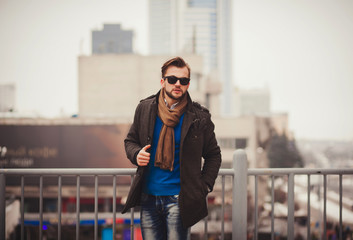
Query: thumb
x=146 y=147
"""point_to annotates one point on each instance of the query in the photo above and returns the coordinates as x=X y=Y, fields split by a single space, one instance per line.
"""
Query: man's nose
x=178 y=82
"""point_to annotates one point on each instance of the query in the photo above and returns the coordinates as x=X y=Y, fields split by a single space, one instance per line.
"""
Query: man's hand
x=143 y=157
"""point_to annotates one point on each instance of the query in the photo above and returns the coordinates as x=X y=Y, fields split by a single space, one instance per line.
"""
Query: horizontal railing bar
x=69 y=171
x=68 y=217
x=81 y=171
x=298 y=171
x=226 y=172
x=130 y=171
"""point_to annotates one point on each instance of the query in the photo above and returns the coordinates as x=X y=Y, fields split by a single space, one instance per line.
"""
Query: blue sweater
x=159 y=182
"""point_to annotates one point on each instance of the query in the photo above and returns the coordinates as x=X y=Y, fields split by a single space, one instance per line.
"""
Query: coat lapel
x=187 y=122
x=152 y=120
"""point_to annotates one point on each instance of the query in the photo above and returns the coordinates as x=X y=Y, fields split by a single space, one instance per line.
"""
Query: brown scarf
x=166 y=146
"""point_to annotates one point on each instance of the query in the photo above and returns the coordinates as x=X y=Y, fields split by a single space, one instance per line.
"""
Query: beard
x=169 y=93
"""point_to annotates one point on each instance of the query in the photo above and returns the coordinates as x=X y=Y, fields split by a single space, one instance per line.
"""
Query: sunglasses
x=174 y=79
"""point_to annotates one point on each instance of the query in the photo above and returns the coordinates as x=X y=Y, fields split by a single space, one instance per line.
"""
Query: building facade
x=112 y=85
x=7 y=97
x=112 y=39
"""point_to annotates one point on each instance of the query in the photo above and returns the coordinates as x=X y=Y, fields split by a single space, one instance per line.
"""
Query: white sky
x=301 y=50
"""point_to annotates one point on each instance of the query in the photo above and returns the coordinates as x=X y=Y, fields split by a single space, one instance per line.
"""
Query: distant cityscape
x=112 y=68
x=113 y=79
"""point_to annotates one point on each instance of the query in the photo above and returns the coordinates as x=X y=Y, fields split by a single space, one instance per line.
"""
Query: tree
x=283 y=153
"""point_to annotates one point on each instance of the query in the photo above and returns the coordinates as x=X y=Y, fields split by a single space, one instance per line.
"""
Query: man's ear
x=162 y=82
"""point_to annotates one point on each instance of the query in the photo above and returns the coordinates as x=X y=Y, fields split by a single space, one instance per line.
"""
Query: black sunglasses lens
x=184 y=81
x=172 y=79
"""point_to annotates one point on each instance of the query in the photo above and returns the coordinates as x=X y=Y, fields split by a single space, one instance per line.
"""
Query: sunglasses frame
x=174 y=79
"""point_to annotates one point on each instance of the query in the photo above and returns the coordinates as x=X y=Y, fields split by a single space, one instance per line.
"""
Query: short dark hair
x=177 y=62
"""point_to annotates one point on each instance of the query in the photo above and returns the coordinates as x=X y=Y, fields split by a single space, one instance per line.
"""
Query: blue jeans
x=160 y=218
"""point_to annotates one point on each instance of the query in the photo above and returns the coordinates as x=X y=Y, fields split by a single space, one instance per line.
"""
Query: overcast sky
x=301 y=50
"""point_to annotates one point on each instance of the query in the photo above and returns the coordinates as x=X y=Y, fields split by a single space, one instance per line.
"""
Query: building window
x=240 y=143
x=228 y=143
x=233 y=143
x=195 y=81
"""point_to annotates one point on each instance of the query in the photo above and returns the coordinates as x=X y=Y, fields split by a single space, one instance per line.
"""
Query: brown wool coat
x=197 y=141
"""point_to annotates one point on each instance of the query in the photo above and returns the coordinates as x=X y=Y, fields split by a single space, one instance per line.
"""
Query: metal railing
x=240 y=175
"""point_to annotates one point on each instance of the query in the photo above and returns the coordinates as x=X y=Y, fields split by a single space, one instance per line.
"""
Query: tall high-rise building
x=200 y=27
x=112 y=39
x=163 y=27
x=7 y=97
x=225 y=59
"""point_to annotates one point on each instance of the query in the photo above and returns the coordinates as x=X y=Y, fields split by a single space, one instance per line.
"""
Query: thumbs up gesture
x=143 y=157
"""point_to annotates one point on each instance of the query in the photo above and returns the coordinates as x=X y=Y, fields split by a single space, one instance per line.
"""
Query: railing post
x=290 y=220
x=239 y=212
x=2 y=206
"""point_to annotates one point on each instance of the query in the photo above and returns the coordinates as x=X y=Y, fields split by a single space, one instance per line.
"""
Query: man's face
x=174 y=92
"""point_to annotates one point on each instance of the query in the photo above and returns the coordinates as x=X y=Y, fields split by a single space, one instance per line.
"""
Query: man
x=168 y=138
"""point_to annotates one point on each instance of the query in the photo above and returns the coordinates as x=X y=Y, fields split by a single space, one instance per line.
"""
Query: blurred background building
x=7 y=97
x=112 y=85
x=112 y=39
x=196 y=27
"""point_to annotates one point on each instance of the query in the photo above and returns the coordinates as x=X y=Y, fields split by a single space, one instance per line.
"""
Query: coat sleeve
x=132 y=140
x=211 y=154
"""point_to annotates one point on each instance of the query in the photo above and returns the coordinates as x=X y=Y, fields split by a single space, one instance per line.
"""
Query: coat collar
x=156 y=96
